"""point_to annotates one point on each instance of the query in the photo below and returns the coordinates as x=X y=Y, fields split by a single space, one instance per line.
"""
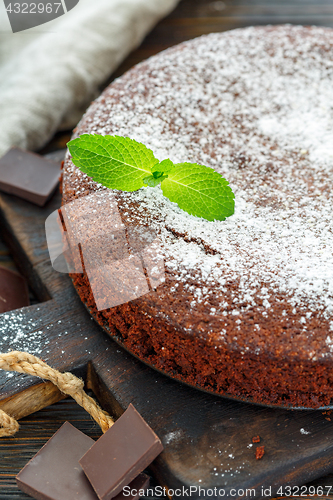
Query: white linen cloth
x=50 y=73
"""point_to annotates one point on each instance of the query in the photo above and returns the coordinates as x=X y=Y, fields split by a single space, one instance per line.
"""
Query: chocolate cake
x=246 y=308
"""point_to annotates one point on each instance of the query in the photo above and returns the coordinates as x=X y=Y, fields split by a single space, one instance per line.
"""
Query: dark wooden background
x=190 y=19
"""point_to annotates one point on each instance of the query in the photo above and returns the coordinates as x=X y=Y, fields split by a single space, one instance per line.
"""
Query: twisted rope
x=9 y=426
x=67 y=383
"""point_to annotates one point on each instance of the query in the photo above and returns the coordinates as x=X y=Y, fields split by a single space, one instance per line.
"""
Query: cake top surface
x=254 y=104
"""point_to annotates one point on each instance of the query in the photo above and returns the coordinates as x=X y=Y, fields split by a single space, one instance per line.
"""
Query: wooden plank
x=244 y=8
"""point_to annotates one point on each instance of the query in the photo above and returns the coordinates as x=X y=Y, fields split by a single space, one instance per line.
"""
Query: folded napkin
x=49 y=74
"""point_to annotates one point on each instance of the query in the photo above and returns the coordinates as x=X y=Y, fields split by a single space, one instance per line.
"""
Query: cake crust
x=247 y=305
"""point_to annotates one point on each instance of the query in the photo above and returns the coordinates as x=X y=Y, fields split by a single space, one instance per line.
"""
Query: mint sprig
x=125 y=164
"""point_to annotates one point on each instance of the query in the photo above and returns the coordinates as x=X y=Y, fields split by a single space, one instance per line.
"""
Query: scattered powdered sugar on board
x=24 y=334
x=256 y=105
x=19 y=333
x=173 y=436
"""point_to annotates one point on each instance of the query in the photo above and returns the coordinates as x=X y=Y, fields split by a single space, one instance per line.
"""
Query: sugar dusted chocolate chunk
x=127 y=448
x=14 y=291
x=54 y=472
x=28 y=175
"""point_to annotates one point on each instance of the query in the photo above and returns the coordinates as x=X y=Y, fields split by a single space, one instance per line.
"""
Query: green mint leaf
x=200 y=191
x=166 y=166
x=114 y=161
x=125 y=164
x=153 y=181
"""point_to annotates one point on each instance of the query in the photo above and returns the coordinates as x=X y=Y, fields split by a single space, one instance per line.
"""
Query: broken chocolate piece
x=28 y=175
x=54 y=472
x=127 y=448
x=14 y=291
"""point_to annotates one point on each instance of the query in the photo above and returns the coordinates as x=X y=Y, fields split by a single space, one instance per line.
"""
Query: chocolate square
x=125 y=450
x=54 y=472
x=28 y=175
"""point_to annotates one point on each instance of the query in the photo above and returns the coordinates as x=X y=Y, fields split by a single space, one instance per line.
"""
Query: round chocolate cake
x=246 y=308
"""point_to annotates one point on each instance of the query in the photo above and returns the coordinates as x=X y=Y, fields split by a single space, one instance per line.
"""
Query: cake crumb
x=260 y=450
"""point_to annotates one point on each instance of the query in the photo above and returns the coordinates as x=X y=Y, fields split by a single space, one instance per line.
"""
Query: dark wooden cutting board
x=207 y=439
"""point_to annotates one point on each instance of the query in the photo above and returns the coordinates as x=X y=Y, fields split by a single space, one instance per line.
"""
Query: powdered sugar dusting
x=256 y=105
x=24 y=333
x=20 y=333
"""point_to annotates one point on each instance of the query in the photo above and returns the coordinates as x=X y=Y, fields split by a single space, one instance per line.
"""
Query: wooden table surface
x=190 y=19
